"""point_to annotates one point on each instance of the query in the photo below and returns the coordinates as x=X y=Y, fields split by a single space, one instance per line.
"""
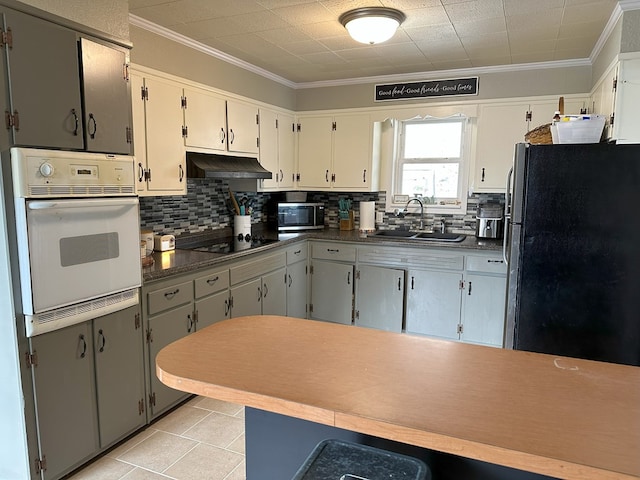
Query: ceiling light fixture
x=372 y=25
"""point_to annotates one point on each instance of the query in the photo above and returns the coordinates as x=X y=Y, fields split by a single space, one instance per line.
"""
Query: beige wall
x=608 y=54
x=157 y=52
x=630 y=41
x=109 y=16
x=554 y=81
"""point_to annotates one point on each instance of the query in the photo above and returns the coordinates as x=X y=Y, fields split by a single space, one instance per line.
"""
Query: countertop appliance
x=300 y=216
x=75 y=239
x=573 y=253
x=489 y=220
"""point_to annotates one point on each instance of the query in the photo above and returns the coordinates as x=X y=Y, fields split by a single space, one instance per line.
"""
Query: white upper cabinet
x=277 y=149
x=212 y=122
x=337 y=153
x=158 y=142
x=205 y=118
x=500 y=127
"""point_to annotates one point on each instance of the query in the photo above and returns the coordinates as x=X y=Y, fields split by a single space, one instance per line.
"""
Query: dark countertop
x=181 y=261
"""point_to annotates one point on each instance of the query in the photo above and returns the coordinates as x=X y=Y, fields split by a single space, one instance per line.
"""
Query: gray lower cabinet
x=88 y=383
x=332 y=282
x=258 y=286
x=296 y=280
x=165 y=328
x=483 y=300
x=379 y=298
x=331 y=291
x=213 y=302
x=247 y=298
x=433 y=303
x=119 y=367
x=64 y=387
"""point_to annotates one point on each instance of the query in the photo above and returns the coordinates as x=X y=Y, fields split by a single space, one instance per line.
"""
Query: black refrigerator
x=573 y=249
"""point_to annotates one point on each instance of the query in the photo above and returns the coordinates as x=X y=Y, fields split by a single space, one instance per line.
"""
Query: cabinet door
x=139 y=130
x=297 y=290
x=433 y=303
x=45 y=83
x=165 y=147
x=379 y=298
x=65 y=394
x=286 y=150
x=164 y=329
x=205 y=118
x=483 y=309
x=500 y=127
x=242 y=127
x=269 y=147
x=274 y=293
x=331 y=292
x=119 y=374
x=212 y=309
x=247 y=298
x=315 y=152
x=107 y=106
x=352 y=149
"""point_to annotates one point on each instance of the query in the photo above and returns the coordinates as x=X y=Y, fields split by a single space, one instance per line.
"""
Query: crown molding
x=627 y=5
x=201 y=47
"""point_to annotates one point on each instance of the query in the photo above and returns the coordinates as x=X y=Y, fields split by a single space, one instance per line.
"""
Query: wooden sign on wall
x=433 y=88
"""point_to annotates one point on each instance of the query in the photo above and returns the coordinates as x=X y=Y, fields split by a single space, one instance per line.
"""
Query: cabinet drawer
x=296 y=253
x=169 y=297
x=249 y=270
x=211 y=283
x=486 y=264
x=333 y=251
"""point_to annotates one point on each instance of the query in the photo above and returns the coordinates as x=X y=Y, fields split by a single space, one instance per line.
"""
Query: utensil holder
x=347 y=223
x=242 y=232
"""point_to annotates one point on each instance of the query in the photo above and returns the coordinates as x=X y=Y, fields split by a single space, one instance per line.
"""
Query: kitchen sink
x=395 y=233
x=420 y=236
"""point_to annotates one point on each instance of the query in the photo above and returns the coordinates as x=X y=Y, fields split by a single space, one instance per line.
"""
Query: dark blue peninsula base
x=277 y=445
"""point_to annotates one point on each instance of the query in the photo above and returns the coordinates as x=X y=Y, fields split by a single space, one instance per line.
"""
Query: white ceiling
x=302 y=41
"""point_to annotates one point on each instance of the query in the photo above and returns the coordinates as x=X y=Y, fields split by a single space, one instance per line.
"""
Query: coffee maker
x=490 y=220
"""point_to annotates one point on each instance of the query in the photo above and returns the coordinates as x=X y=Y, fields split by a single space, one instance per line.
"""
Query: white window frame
x=395 y=200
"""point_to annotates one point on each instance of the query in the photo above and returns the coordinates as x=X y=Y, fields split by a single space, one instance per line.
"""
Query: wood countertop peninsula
x=556 y=416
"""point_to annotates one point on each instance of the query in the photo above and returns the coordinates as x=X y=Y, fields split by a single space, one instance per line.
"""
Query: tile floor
x=202 y=439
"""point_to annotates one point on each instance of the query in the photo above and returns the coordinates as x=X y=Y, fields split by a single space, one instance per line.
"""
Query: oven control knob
x=247 y=238
x=46 y=169
x=240 y=237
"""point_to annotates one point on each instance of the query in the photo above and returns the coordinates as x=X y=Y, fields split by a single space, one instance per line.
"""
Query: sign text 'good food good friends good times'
x=435 y=88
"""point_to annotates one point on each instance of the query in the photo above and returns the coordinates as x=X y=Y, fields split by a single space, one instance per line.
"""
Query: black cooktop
x=228 y=244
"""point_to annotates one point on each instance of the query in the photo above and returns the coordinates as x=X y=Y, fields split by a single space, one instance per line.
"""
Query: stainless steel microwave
x=300 y=216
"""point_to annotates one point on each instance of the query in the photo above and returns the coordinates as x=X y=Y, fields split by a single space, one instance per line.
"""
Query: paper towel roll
x=367 y=216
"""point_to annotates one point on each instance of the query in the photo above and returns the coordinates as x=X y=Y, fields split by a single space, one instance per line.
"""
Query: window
x=430 y=160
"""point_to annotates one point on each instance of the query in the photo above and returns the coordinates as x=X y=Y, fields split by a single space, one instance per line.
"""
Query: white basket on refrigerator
x=578 y=129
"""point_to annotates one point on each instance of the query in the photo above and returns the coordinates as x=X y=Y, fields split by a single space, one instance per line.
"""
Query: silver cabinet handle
x=83 y=344
x=364 y=176
x=232 y=136
x=103 y=341
x=348 y=278
x=189 y=323
x=326 y=176
x=222 y=135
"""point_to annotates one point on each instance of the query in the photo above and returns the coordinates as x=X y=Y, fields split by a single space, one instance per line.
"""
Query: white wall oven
x=75 y=245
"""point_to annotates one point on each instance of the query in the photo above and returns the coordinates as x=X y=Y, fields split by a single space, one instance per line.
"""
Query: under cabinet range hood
x=206 y=165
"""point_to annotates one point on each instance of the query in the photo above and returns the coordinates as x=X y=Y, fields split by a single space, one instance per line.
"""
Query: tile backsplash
x=205 y=207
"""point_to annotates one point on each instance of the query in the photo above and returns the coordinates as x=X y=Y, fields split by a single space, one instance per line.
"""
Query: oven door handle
x=103 y=202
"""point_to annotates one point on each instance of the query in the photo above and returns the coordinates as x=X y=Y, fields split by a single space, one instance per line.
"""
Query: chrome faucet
x=416 y=199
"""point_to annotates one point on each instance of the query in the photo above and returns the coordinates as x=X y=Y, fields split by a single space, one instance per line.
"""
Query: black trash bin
x=340 y=460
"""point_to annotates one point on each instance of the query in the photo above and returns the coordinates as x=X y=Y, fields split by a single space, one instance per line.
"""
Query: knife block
x=347 y=223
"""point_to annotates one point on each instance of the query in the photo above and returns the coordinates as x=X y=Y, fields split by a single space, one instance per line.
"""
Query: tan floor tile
x=132 y=442
x=239 y=473
x=205 y=462
x=158 y=452
x=238 y=445
x=104 y=468
x=181 y=419
x=142 y=474
x=218 y=405
x=217 y=430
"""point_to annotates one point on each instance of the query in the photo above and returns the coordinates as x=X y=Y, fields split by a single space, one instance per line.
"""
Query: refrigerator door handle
x=507 y=215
